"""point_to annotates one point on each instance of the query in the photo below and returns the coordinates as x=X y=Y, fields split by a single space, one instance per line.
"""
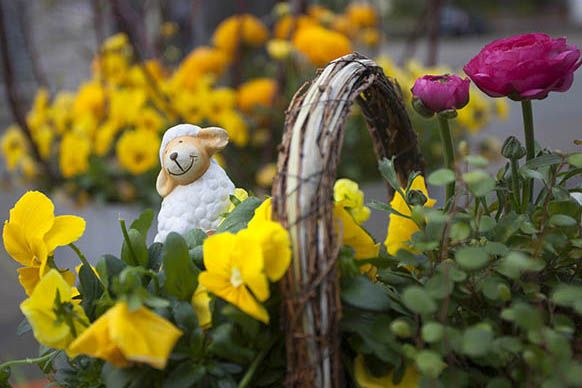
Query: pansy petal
x=16 y=245
x=34 y=212
x=217 y=253
x=247 y=303
x=65 y=230
x=201 y=305
x=28 y=278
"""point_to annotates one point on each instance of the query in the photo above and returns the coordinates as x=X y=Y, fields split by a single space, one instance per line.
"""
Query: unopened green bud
x=409 y=351
x=420 y=108
x=416 y=198
x=401 y=328
x=512 y=149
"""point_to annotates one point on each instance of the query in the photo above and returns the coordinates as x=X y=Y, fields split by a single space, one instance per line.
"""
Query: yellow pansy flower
x=201 y=61
x=501 y=108
x=41 y=311
x=400 y=229
x=477 y=113
x=348 y=194
x=105 y=136
x=125 y=106
x=246 y=30
x=367 y=380
x=33 y=232
x=362 y=15
x=13 y=146
x=234 y=268
x=75 y=152
x=258 y=92
x=241 y=195
x=116 y=42
x=28 y=277
x=320 y=45
x=201 y=305
x=43 y=138
x=61 y=111
x=218 y=102
x=122 y=337
x=290 y=24
x=90 y=100
x=137 y=151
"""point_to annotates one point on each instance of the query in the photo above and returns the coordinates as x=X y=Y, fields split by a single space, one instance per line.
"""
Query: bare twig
x=37 y=69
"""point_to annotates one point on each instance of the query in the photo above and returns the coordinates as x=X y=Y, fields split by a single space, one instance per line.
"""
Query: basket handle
x=303 y=202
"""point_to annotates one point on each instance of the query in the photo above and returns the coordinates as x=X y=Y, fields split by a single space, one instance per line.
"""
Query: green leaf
x=155 y=256
x=432 y=332
x=441 y=177
x=529 y=173
x=430 y=363
x=543 y=161
x=195 y=238
x=568 y=296
x=143 y=222
x=388 y=171
x=472 y=258
x=562 y=220
x=477 y=340
x=181 y=274
x=136 y=252
x=439 y=286
x=416 y=299
x=496 y=248
x=460 y=231
x=477 y=161
x=360 y=292
x=514 y=264
x=575 y=159
x=187 y=374
x=109 y=267
x=23 y=327
x=224 y=344
x=90 y=289
x=479 y=182
x=240 y=216
x=486 y=223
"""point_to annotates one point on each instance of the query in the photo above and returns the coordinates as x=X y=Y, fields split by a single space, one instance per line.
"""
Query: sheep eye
x=181 y=141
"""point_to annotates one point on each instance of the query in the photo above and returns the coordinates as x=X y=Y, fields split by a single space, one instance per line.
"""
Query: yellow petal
x=96 y=342
x=65 y=230
x=276 y=247
x=28 y=278
x=354 y=235
x=201 y=305
x=217 y=253
x=262 y=213
x=16 y=244
x=34 y=212
x=218 y=285
x=367 y=380
x=143 y=336
x=248 y=258
x=248 y=304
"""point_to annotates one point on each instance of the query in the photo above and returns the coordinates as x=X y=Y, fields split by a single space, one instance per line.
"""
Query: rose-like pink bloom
x=441 y=92
x=525 y=66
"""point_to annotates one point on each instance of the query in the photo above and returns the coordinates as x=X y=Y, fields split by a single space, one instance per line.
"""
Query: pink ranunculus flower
x=441 y=92
x=525 y=66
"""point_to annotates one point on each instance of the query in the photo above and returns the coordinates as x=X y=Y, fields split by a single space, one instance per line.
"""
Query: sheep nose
x=174 y=155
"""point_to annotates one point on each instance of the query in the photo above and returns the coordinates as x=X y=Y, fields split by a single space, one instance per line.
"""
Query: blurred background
x=89 y=86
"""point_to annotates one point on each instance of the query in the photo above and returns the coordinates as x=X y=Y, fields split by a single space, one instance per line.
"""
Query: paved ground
x=558 y=122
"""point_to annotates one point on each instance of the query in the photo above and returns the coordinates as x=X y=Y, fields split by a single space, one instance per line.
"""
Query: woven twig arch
x=303 y=202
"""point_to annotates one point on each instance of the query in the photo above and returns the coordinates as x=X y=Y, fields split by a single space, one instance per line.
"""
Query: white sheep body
x=200 y=204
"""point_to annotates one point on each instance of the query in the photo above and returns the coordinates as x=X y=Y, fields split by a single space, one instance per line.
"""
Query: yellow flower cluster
x=239 y=266
x=347 y=193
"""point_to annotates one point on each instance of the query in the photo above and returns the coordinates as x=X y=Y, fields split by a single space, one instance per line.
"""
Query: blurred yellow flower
x=137 y=150
x=258 y=92
x=201 y=61
x=33 y=232
x=90 y=100
x=234 y=267
x=28 y=167
x=74 y=152
x=321 y=45
x=112 y=67
x=168 y=29
x=288 y=25
x=236 y=127
x=201 y=305
x=400 y=229
x=343 y=25
x=56 y=319
x=362 y=14
x=116 y=42
x=245 y=30
x=150 y=119
x=104 y=137
x=347 y=194
x=501 y=108
x=320 y=13
x=476 y=114
x=14 y=147
x=366 y=380
x=125 y=105
x=279 y=49
x=61 y=111
x=218 y=102
x=40 y=109
x=43 y=138
x=370 y=36
x=122 y=336
x=266 y=174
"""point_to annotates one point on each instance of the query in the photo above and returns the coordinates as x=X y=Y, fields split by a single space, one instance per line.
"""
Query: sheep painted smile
x=192 y=159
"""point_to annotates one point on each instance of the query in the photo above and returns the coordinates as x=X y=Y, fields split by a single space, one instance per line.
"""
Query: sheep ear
x=214 y=139
x=164 y=185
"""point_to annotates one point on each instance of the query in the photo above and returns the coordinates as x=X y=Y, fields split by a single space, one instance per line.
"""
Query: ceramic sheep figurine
x=195 y=189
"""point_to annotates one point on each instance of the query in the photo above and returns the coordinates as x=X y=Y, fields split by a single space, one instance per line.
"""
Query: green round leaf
x=479 y=182
x=441 y=177
x=430 y=363
x=575 y=159
x=477 y=341
x=562 y=220
x=477 y=161
x=432 y=332
x=472 y=258
x=418 y=300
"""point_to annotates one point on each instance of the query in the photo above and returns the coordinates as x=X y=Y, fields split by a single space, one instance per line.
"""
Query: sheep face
x=186 y=158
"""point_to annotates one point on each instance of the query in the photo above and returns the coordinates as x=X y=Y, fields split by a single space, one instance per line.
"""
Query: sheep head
x=186 y=158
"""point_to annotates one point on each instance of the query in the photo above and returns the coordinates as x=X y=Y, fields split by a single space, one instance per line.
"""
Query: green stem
x=28 y=361
x=528 y=129
x=79 y=254
x=128 y=242
x=515 y=185
x=448 y=151
x=248 y=377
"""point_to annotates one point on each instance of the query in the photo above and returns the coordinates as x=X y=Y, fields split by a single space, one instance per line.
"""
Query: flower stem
x=79 y=254
x=248 y=377
x=448 y=151
x=28 y=361
x=515 y=185
x=528 y=129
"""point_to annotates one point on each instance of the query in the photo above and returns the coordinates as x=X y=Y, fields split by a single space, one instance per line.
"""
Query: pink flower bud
x=442 y=92
x=525 y=66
